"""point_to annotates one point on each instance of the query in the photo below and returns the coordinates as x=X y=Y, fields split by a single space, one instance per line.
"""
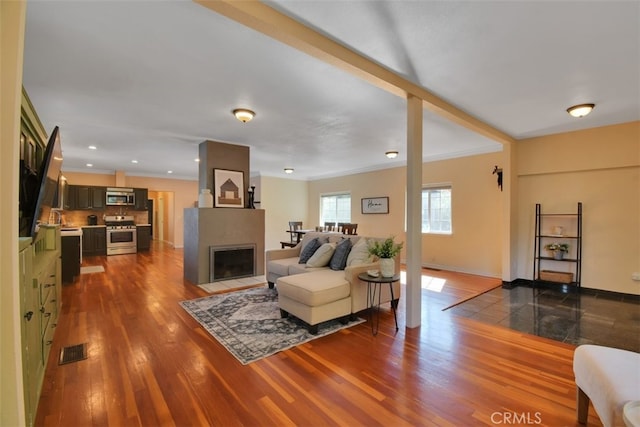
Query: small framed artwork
x=229 y=189
x=375 y=205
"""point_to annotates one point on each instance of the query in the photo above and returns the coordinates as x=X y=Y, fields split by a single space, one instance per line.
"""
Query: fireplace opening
x=231 y=262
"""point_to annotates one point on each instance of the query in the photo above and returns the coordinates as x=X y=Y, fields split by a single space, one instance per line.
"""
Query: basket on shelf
x=556 y=276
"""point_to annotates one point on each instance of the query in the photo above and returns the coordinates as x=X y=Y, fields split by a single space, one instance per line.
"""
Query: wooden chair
x=330 y=226
x=294 y=238
x=350 y=229
x=340 y=226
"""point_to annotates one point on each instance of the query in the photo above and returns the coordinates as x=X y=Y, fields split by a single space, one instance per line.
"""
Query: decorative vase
x=387 y=267
x=558 y=254
x=205 y=200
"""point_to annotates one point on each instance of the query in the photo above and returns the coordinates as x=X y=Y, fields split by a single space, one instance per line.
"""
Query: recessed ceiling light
x=288 y=170
x=243 y=114
x=391 y=154
x=196 y=160
x=89 y=165
x=92 y=147
x=134 y=161
x=169 y=171
x=580 y=110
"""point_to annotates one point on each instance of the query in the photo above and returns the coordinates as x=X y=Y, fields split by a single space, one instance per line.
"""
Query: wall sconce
x=391 y=154
x=288 y=170
x=243 y=114
x=580 y=110
x=498 y=171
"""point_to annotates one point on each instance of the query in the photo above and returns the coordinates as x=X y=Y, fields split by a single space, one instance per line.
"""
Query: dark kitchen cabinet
x=70 y=258
x=94 y=241
x=144 y=237
x=141 y=198
x=85 y=197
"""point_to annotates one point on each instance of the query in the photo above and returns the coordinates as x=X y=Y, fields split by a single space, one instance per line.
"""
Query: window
x=436 y=209
x=335 y=208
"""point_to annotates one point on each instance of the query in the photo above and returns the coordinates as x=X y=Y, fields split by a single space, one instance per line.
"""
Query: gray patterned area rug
x=248 y=323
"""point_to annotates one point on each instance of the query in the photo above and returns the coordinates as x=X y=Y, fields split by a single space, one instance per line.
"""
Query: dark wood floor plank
x=150 y=363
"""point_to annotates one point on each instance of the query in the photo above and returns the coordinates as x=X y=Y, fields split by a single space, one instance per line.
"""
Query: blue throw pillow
x=339 y=258
x=309 y=249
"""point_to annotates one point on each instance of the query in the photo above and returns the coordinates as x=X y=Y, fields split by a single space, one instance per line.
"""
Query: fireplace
x=231 y=262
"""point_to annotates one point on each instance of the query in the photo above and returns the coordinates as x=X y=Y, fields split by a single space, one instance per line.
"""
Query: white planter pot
x=387 y=267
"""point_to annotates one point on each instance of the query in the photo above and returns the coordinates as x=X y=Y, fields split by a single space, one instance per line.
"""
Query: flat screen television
x=44 y=190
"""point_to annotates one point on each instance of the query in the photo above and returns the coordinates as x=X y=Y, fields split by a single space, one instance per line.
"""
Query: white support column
x=414 y=211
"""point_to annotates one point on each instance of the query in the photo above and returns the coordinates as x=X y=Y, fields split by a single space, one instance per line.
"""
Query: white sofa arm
x=274 y=254
x=351 y=273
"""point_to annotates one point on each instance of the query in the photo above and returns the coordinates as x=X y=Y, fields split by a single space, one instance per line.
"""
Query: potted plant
x=558 y=249
x=386 y=251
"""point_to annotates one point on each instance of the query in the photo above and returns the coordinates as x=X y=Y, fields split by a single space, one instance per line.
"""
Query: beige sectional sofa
x=317 y=294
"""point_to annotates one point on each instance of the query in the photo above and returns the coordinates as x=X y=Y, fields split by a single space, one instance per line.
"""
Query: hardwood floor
x=149 y=363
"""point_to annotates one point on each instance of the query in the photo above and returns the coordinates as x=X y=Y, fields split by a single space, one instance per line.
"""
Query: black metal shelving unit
x=571 y=224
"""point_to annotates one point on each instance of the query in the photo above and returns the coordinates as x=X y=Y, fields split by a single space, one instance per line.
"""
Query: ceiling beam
x=268 y=21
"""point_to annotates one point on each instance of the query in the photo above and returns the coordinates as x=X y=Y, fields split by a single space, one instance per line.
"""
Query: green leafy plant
x=386 y=249
x=562 y=247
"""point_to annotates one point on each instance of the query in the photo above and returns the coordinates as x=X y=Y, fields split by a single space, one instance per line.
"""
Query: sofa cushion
x=302 y=268
x=359 y=253
x=315 y=289
x=308 y=250
x=339 y=258
x=281 y=267
x=322 y=256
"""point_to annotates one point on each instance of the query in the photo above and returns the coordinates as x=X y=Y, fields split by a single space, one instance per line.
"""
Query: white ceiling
x=150 y=80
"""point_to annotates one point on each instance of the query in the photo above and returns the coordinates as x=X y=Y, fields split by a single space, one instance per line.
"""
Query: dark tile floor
x=589 y=317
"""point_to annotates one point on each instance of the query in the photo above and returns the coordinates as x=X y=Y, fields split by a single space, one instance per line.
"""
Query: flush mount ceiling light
x=288 y=170
x=391 y=154
x=580 y=110
x=243 y=114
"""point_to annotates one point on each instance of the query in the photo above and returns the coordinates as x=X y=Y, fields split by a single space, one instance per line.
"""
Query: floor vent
x=73 y=353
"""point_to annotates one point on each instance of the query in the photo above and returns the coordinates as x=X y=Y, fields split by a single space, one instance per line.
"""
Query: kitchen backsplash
x=79 y=218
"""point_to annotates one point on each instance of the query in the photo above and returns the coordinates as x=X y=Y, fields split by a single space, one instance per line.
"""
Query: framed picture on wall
x=375 y=205
x=228 y=189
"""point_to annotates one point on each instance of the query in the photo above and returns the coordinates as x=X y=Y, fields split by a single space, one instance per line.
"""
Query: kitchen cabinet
x=86 y=197
x=143 y=237
x=40 y=292
x=70 y=257
x=142 y=194
x=94 y=241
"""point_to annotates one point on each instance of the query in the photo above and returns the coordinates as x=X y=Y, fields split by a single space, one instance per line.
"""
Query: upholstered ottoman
x=315 y=297
x=609 y=377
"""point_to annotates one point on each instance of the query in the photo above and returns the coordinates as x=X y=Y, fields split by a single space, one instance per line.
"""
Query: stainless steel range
x=121 y=234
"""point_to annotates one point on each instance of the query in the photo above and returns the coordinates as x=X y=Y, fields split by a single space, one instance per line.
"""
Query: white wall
x=283 y=200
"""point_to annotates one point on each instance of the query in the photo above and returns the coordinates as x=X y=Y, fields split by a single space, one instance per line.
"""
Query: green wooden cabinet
x=40 y=291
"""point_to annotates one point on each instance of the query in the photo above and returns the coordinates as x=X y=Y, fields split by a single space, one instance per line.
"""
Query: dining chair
x=294 y=238
x=350 y=229
x=340 y=226
x=330 y=226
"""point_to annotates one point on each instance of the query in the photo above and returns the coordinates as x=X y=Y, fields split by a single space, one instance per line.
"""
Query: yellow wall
x=475 y=245
x=283 y=200
x=176 y=195
x=12 y=21
x=599 y=167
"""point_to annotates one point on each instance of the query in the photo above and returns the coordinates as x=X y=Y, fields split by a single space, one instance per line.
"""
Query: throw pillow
x=359 y=253
x=339 y=258
x=309 y=249
x=322 y=256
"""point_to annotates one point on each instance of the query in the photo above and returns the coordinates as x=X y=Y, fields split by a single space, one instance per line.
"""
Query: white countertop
x=77 y=231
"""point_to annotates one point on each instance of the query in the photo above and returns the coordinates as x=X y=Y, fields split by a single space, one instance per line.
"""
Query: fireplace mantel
x=205 y=227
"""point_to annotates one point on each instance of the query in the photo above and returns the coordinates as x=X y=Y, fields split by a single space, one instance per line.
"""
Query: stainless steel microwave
x=120 y=197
